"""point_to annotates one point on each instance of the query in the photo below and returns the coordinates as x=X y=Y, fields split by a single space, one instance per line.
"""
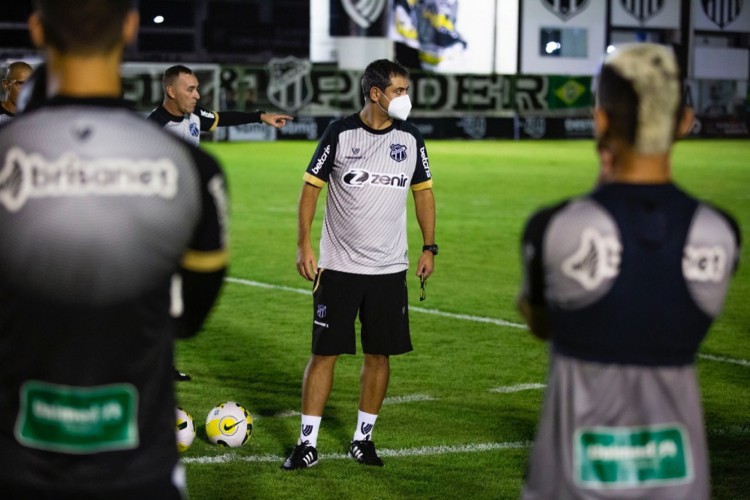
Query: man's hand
x=426 y=264
x=275 y=120
x=307 y=265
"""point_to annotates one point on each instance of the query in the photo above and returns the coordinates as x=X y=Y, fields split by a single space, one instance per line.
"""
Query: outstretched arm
x=230 y=118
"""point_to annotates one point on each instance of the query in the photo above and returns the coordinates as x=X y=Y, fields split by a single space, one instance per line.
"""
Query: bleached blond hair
x=654 y=75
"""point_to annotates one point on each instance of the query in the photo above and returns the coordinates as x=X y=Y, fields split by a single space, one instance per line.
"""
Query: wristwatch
x=431 y=248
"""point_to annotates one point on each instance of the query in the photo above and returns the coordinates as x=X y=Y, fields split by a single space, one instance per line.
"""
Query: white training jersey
x=369 y=173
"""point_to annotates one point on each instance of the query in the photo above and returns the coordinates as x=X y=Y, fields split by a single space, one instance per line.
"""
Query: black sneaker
x=364 y=453
x=303 y=456
x=181 y=377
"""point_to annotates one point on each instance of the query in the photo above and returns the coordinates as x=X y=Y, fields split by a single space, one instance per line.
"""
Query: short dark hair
x=617 y=97
x=379 y=73
x=173 y=73
x=16 y=65
x=83 y=26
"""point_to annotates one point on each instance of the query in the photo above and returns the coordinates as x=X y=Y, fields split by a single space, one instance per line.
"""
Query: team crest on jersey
x=322 y=311
x=398 y=152
x=363 y=12
x=565 y=9
x=722 y=12
x=596 y=260
x=290 y=87
x=194 y=130
x=642 y=11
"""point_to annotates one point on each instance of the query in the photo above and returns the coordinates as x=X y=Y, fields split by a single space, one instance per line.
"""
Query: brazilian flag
x=569 y=92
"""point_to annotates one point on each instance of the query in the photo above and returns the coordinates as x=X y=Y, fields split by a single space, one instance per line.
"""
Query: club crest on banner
x=722 y=12
x=474 y=126
x=535 y=126
x=642 y=11
x=364 y=12
x=290 y=86
x=565 y=9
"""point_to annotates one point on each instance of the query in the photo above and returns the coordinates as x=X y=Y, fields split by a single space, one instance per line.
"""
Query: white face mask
x=399 y=107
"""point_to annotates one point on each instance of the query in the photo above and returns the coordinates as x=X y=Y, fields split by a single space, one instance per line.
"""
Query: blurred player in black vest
x=180 y=114
x=625 y=282
x=99 y=211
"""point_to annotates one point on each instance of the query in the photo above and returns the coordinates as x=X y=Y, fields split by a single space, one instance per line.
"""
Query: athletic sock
x=309 y=430
x=365 y=423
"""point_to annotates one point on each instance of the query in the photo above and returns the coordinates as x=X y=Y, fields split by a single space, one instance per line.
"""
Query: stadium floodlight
x=158 y=19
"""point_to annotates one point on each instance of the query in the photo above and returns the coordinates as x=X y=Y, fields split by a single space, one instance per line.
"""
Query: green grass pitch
x=462 y=409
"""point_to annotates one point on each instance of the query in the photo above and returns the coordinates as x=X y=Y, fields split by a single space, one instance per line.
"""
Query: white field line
x=392 y=400
x=517 y=388
x=403 y=452
x=465 y=317
x=408 y=398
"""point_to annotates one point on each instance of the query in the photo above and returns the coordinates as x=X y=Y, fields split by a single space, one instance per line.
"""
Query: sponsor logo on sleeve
x=322 y=160
x=596 y=260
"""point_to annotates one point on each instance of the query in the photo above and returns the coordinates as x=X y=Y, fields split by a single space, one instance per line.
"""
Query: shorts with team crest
x=382 y=303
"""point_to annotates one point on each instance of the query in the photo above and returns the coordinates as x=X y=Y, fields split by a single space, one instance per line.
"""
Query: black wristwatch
x=431 y=248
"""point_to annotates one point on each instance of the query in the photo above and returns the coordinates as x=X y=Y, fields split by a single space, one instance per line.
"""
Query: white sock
x=365 y=424
x=309 y=430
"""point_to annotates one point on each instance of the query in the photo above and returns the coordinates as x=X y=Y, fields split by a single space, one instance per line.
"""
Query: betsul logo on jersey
x=358 y=178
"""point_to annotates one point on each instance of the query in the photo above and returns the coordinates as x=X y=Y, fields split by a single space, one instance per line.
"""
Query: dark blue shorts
x=381 y=301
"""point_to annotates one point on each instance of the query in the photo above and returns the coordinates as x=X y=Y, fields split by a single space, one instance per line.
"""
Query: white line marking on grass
x=258 y=284
x=465 y=317
x=403 y=452
x=722 y=359
x=288 y=413
x=409 y=398
x=517 y=388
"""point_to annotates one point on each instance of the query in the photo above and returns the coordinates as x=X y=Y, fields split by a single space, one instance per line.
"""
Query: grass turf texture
x=457 y=439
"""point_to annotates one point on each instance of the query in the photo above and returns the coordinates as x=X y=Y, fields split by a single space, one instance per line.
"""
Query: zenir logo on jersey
x=358 y=178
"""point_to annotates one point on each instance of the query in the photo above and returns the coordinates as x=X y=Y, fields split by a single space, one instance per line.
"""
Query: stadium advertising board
x=445 y=105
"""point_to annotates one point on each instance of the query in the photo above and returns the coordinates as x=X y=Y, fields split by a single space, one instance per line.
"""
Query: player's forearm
x=308 y=202
x=424 y=204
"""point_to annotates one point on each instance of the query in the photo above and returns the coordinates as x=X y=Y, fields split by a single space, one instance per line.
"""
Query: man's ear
x=130 y=27
x=374 y=94
x=686 y=122
x=601 y=122
x=36 y=32
x=169 y=90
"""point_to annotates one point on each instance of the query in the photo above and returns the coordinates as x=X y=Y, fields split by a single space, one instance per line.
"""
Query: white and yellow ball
x=185 y=430
x=229 y=424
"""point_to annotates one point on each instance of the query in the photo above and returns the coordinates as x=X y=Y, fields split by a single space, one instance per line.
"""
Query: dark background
x=242 y=31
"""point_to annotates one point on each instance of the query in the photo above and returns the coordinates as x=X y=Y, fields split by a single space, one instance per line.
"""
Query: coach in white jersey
x=180 y=114
x=625 y=282
x=369 y=160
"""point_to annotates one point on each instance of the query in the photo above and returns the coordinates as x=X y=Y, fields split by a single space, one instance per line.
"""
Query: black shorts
x=382 y=303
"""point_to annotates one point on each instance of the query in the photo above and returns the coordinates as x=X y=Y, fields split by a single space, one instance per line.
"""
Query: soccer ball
x=229 y=424
x=185 y=430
